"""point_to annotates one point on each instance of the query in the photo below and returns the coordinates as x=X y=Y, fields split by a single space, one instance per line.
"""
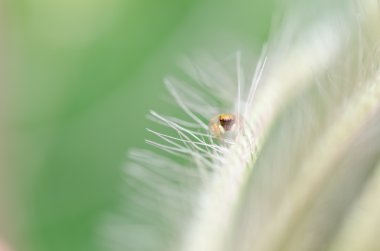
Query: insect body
x=224 y=125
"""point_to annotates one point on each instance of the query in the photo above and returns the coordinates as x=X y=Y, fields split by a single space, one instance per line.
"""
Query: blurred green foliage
x=81 y=77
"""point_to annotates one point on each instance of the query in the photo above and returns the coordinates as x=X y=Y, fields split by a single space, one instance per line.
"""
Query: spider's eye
x=227 y=121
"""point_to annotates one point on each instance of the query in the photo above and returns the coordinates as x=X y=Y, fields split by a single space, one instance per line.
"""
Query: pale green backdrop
x=80 y=77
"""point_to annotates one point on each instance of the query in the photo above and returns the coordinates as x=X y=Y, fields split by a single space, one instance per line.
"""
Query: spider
x=224 y=125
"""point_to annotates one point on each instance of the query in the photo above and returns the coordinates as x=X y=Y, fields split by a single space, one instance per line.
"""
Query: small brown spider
x=224 y=125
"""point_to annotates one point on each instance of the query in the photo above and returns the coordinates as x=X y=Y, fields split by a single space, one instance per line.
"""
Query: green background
x=80 y=77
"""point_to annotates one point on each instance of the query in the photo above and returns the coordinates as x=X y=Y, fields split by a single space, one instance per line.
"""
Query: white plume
x=299 y=170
